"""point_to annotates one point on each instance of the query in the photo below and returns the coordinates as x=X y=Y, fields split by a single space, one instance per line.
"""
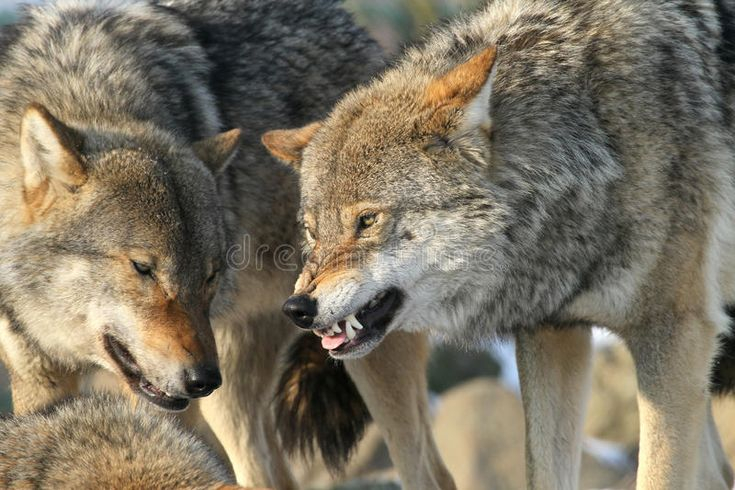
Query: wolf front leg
x=677 y=445
x=239 y=412
x=392 y=381
x=35 y=380
x=554 y=369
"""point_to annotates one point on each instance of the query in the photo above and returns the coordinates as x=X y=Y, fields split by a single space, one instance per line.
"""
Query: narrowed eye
x=142 y=269
x=212 y=277
x=366 y=221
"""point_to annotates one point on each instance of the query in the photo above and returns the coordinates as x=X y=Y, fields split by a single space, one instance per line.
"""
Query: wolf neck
x=105 y=68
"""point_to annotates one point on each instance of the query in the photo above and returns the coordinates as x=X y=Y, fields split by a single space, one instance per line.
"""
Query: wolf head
x=117 y=251
x=395 y=204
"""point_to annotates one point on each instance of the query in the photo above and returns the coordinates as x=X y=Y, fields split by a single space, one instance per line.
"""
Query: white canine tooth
x=350 y=332
x=352 y=319
x=336 y=329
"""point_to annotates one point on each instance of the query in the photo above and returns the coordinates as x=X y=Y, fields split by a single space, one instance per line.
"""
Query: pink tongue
x=334 y=341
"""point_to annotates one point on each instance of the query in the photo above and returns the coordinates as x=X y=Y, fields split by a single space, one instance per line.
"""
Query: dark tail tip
x=317 y=404
x=723 y=370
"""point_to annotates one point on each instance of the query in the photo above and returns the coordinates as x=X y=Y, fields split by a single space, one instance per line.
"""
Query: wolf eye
x=142 y=269
x=366 y=221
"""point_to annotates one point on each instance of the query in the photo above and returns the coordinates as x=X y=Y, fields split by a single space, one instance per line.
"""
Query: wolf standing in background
x=535 y=169
x=120 y=198
x=103 y=442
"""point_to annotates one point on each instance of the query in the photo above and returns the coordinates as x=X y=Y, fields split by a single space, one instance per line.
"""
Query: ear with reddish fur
x=288 y=144
x=50 y=153
x=218 y=151
x=469 y=86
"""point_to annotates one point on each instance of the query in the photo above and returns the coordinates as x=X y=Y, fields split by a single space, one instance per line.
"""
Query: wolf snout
x=202 y=380
x=301 y=309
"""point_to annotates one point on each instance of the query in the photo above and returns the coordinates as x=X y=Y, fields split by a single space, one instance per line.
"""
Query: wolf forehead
x=160 y=198
x=376 y=139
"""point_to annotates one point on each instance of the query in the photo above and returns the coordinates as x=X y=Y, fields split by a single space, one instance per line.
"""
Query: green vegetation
x=395 y=22
x=6 y=17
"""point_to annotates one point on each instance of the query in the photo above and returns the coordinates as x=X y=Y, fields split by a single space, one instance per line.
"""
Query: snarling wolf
x=105 y=442
x=535 y=169
x=134 y=233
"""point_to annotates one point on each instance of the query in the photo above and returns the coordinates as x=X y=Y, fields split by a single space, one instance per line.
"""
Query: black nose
x=301 y=309
x=202 y=381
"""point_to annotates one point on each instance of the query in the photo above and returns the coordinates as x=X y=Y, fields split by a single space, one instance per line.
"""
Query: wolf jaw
x=132 y=372
x=364 y=328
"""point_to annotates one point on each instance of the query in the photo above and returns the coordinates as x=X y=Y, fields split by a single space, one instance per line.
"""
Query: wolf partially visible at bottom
x=106 y=441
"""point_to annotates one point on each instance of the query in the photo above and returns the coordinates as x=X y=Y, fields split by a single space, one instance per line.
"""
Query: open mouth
x=138 y=383
x=368 y=324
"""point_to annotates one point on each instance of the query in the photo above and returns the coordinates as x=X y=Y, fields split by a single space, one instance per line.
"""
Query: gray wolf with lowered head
x=535 y=169
x=122 y=197
x=104 y=441
x=112 y=238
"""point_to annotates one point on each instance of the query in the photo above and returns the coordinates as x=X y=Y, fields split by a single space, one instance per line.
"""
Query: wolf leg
x=392 y=381
x=35 y=380
x=554 y=368
x=239 y=412
x=672 y=366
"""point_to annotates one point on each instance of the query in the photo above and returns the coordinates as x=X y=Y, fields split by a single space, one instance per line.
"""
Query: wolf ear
x=218 y=151
x=288 y=144
x=50 y=155
x=468 y=85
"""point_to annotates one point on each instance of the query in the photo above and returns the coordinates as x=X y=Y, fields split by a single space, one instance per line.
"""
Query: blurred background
x=478 y=418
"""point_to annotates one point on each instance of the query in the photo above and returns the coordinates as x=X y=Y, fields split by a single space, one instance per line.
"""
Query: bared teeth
x=350 y=332
x=352 y=320
x=335 y=329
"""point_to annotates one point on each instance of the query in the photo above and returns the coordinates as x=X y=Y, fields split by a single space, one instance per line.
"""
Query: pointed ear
x=288 y=144
x=50 y=155
x=218 y=151
x=468 y=85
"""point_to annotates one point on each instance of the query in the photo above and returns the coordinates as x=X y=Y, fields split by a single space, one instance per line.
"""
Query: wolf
x=534 y=169
x=144 y=226
x=104 y=441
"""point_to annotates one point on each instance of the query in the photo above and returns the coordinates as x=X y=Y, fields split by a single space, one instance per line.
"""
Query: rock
x=613 y=409
x=479 y=429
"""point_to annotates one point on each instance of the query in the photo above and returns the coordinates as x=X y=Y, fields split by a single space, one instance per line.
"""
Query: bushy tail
x=723 y=371
x=317 y=404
